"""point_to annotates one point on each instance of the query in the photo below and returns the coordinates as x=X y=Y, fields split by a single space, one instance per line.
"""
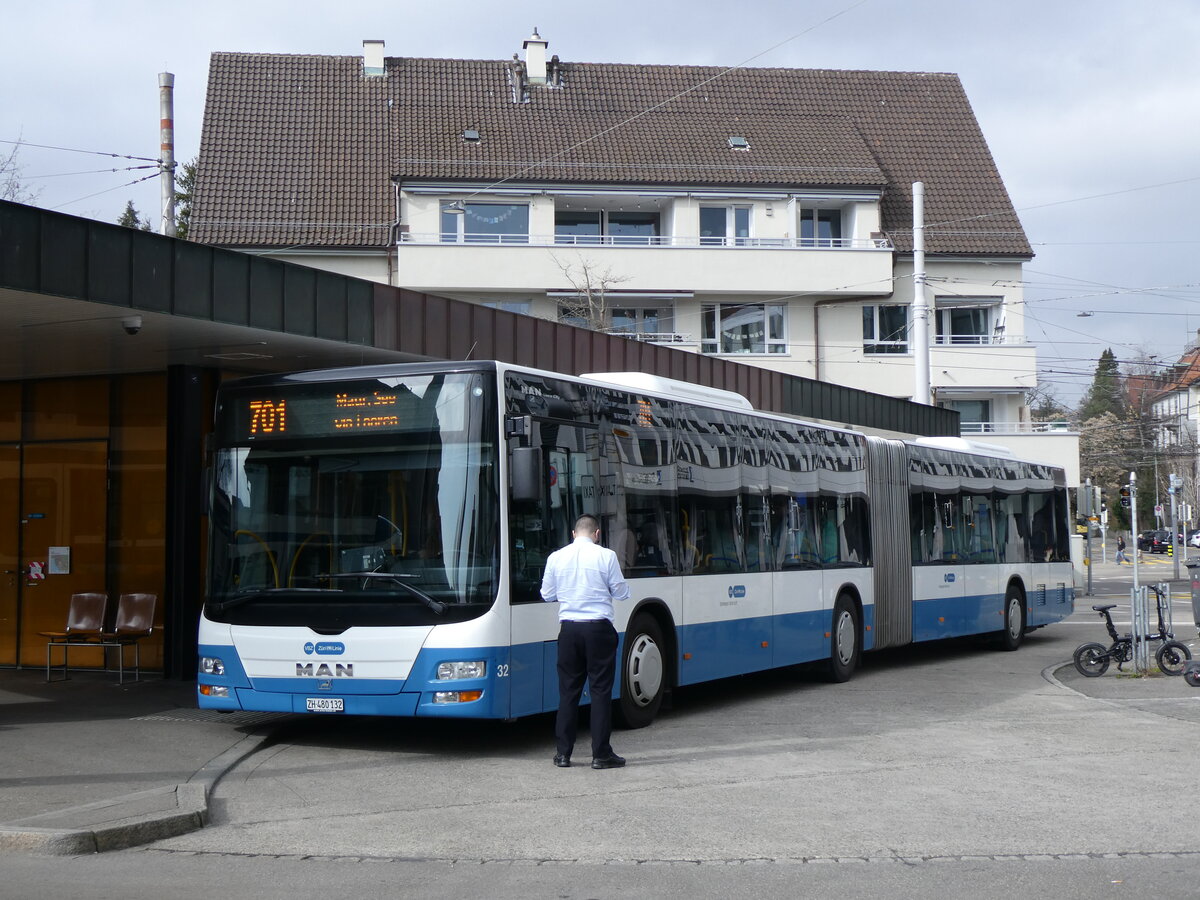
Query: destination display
x=284 y=412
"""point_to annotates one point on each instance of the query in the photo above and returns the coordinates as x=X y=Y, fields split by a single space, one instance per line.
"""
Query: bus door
x=939 y=583
x=570 y=485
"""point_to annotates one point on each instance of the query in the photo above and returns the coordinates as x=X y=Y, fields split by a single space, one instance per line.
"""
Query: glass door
x=63 y=517
x=10 y=558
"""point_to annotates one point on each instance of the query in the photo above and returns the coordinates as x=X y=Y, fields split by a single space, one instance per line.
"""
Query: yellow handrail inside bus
x=296 y=556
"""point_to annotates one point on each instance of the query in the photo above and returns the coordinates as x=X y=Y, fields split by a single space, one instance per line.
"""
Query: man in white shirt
x=585 y=578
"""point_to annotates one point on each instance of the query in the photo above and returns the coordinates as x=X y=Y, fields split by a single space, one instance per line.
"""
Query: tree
x=1107 y=457
x=1044 y=405
x=589 y=307
x=185 y=183
x=1106 y=395
x=131 y=218
x=12 y=187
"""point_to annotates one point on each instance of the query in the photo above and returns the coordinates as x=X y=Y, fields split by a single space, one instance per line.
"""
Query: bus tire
x=845 y=647
x=644 y=673
x=1013 y=632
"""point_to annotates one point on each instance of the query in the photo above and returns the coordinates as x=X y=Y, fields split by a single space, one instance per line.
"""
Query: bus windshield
x=393 y=524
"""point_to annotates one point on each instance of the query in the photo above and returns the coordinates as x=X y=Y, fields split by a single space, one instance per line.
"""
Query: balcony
x=846 y=267
x=968 y=429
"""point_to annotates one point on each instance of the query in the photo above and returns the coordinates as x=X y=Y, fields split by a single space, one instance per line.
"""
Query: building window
x=885 y=329
x=743 y=328
x=605 y=227
x=974 y=416
x=519 y=307
x=485 y=223
x=724 y=225
x=820 y=227
x=967 y=321
x=643 y=320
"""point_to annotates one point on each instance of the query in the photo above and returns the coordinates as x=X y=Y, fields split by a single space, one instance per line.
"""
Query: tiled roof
x=301 y=150
x=1180 y=376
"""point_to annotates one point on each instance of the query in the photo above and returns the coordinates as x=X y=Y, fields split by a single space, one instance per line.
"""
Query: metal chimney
x=535 y=57
x=166 y=151
x=373 y=59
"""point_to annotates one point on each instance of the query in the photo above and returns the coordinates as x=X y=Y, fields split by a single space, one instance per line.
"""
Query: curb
x=129 y=820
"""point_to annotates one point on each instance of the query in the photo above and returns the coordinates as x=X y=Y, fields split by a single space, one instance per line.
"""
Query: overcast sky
x=1091 y=109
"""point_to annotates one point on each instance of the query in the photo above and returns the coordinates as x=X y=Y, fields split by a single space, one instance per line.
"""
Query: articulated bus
x=378 y=537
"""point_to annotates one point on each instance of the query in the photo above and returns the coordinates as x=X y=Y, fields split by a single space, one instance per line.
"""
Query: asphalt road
x=935 y=769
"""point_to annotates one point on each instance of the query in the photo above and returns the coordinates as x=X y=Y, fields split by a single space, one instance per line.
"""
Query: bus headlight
x=210 y=665
x=213 y=690
x=452 y=671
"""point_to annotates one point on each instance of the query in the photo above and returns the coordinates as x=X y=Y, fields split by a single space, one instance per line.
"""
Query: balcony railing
x=1015 y=428
x=653 y=337
x=655 y=240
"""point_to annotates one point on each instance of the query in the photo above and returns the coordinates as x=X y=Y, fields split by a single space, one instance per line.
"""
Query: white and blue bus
x=378 y=536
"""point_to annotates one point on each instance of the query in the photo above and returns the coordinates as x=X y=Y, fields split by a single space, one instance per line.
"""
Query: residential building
x=1175 y=413
x=763 y=215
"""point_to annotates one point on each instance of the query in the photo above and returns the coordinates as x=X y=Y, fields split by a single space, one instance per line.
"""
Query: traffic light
x=1125 y=496
x=1103 y=500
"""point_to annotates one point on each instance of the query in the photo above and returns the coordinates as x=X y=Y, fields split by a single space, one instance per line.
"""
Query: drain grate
x=213 y=715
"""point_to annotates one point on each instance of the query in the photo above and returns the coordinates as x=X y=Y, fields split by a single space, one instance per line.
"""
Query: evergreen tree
x=131 y=218
x=1106 y=393
x=184 y=185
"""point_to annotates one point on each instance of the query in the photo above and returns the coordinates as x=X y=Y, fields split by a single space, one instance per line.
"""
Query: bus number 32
x=502 y=670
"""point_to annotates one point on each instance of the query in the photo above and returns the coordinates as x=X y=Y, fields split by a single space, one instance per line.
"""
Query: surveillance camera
x=132 y=324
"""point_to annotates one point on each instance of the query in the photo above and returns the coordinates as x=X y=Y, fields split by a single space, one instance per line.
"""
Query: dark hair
x=586 y=524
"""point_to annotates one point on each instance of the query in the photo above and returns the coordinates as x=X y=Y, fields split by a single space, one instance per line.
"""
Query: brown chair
x=135 y=620
x=85 y=627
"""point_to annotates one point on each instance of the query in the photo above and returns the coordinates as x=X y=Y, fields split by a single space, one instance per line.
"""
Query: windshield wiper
x=398 y=579
x=221 y=606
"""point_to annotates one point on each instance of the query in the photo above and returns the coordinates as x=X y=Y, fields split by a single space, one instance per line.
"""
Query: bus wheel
x=845 y=648
x=1011 y=635
x=643 y=673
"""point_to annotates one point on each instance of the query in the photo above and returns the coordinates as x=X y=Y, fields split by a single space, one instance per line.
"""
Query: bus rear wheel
x=845 y=648
x=643 y=673
x=1013 y=633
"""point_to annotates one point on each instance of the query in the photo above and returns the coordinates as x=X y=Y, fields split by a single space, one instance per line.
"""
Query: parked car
x=1154 y=541
x=1194 y=539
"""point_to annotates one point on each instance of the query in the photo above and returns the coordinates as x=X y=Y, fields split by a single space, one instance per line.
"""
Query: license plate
x=325 y=704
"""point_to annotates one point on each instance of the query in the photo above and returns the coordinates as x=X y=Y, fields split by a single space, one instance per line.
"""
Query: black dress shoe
x=563 y=762
x=608 y=762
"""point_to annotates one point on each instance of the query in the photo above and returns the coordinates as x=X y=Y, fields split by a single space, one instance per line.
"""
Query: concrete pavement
x=91 y=765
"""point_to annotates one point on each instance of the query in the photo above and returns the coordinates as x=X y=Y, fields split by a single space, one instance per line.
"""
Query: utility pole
x=1176 y=544
x=166 y=150
x=920 y=305
x=1137 y=596
x=1087 y=511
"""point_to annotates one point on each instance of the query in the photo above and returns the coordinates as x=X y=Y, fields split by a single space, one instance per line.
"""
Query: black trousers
x=586 y=651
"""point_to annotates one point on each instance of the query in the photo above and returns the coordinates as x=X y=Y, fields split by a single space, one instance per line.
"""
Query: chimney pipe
x=166 y=151
x=535 y=57
x=373 y=59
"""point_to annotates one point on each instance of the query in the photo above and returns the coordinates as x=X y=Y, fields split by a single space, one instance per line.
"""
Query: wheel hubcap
x=644 y=673
x=845 y=637
x=1014 y=618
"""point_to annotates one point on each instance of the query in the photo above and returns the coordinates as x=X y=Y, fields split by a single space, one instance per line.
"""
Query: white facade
x=803 y=283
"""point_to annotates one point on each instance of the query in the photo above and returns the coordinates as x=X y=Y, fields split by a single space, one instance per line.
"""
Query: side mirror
x=527 y=475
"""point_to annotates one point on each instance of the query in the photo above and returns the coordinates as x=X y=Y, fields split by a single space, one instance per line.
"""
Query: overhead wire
x=22 y=143
x=107 y=190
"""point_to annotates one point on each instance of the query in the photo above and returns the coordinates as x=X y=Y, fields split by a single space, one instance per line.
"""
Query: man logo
x=322 y=670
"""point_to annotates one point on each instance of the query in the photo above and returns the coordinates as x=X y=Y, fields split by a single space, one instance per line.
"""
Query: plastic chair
x=135 y=620
x=85 y=626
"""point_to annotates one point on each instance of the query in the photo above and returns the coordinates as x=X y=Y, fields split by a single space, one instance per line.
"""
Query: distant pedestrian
x=585 y=578
x=1121 y=558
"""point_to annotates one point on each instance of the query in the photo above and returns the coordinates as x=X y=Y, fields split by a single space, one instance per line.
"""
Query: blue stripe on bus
x=529 y=684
